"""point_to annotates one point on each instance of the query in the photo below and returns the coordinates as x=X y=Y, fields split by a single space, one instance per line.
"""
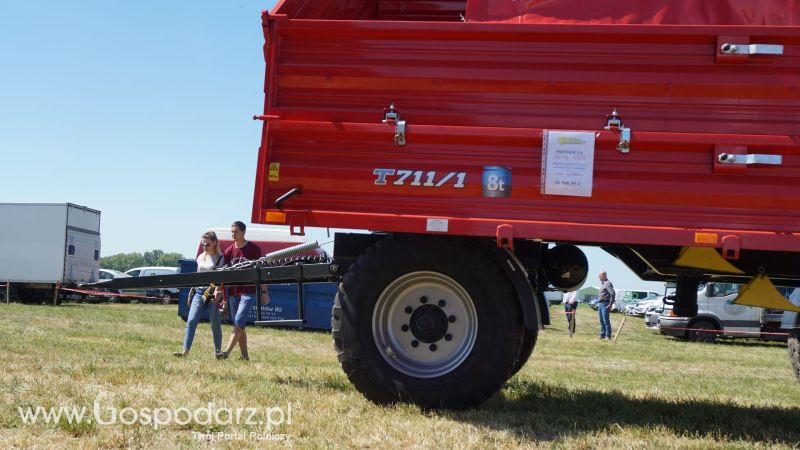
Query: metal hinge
x=614 y=123
x=392 y=117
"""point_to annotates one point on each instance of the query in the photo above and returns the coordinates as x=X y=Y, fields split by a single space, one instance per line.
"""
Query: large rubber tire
x=794 y=352
x=702 y=336
x=525 y=350
x=396 y=342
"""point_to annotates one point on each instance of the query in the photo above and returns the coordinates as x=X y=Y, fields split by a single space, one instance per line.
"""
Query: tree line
x=125 y=261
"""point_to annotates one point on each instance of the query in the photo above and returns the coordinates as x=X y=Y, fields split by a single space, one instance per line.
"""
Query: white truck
x=44 y=244
x=717 y=316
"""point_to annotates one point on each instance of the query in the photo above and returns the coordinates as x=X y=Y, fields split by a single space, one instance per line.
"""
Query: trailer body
x=48 y=243
x=485 y=139
x=478 y=100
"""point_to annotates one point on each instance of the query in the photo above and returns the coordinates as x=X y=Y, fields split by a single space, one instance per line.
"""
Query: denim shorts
x=239 y=308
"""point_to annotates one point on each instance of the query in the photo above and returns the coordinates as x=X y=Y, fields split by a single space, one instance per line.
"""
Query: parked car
x=168 y=295
x=554 y=297
x=652 y=315
x=108 y=274
x=641 y=307
x=717 y=316
x=627 y=297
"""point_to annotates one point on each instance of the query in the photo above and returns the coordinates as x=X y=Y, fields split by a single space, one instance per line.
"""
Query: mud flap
x=762 y=293
x=704 y=258
x=516 y=273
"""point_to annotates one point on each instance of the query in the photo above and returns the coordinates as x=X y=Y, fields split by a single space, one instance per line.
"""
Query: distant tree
x=169 y=259
x=126 y=261
x=151 y=258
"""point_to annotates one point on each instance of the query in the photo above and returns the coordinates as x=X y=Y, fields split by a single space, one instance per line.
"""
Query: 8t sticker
x=496 y=181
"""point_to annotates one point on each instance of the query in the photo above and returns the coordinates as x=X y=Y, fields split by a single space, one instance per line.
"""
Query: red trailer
x=484 y=139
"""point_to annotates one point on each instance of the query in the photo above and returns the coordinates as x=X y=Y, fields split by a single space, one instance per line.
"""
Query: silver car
x=651 y=316
x=641 y=308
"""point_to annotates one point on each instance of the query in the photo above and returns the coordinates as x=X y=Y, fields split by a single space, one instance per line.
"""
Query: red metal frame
x=481 y=94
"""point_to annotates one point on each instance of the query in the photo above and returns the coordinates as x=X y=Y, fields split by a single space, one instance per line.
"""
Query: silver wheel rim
x=424 y=324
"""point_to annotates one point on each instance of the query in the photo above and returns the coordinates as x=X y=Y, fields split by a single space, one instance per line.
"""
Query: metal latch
x=614 y=123
x=728 y=158
x=751 y=49
x=392 y=117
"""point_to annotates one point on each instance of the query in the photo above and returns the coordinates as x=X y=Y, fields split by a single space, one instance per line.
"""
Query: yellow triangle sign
x=704 y=258
x=762 y=293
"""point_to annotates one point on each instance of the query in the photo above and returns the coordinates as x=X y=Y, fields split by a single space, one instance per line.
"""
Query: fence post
x=619 y=330
x=8 y=291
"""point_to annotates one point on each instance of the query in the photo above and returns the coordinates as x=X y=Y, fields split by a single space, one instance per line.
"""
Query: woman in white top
x=208 y=260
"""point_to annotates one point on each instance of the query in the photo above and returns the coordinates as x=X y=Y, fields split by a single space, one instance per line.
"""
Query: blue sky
x=143 y=110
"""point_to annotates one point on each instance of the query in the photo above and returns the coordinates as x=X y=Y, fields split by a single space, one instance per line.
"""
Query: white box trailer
x=47 y=243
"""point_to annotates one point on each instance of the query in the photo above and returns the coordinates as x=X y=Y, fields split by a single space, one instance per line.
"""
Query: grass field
x=643 y=391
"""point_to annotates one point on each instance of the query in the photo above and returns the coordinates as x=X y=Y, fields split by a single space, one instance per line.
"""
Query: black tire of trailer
x=525 y=350
x=794 y=352
x=702 y=336
x=440 y=264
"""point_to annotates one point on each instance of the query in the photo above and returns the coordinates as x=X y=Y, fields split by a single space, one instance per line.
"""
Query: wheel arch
x=708 y=318
x=535 y=312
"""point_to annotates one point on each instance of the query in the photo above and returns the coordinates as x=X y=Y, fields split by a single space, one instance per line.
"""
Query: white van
x=716 y=311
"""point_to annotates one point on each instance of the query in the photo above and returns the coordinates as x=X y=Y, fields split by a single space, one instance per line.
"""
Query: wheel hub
x=424 y=324
x=428 y=323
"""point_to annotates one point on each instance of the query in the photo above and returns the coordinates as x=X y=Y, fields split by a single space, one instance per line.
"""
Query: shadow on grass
x=545 y=412
x=335 y=382
x=752 y=343
x=740 y=342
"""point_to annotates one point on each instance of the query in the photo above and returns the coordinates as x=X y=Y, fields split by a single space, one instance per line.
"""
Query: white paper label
x=439 y=225
x=568 y=163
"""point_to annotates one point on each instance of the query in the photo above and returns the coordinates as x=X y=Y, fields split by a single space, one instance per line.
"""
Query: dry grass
x=644 y=391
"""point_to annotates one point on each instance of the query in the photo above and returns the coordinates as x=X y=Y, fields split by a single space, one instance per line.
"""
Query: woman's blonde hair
x=211 y=236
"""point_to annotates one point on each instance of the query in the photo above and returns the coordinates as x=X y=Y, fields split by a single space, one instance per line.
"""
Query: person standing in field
x=570 y=307
x=199 y=298
x=241 y=299
x=604 y=303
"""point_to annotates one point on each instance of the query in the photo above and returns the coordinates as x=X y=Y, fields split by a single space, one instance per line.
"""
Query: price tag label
x=568 y=163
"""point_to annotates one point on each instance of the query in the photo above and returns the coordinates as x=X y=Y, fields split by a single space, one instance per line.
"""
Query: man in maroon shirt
x=241 y=299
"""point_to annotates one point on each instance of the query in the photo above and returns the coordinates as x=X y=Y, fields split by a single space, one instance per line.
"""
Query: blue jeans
x=194 y=318
x=605 y=320
x=239 y=308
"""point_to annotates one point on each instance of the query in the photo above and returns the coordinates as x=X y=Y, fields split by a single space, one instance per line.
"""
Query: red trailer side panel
x=477 y=96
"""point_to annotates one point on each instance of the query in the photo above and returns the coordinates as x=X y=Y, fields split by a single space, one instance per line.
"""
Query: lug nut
x=448 y=337
x=433 y=347
x=409 y=309
x=442 y=303
x=414 y=344
x=423 y=299
x=404 y=328
x=451 y=319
